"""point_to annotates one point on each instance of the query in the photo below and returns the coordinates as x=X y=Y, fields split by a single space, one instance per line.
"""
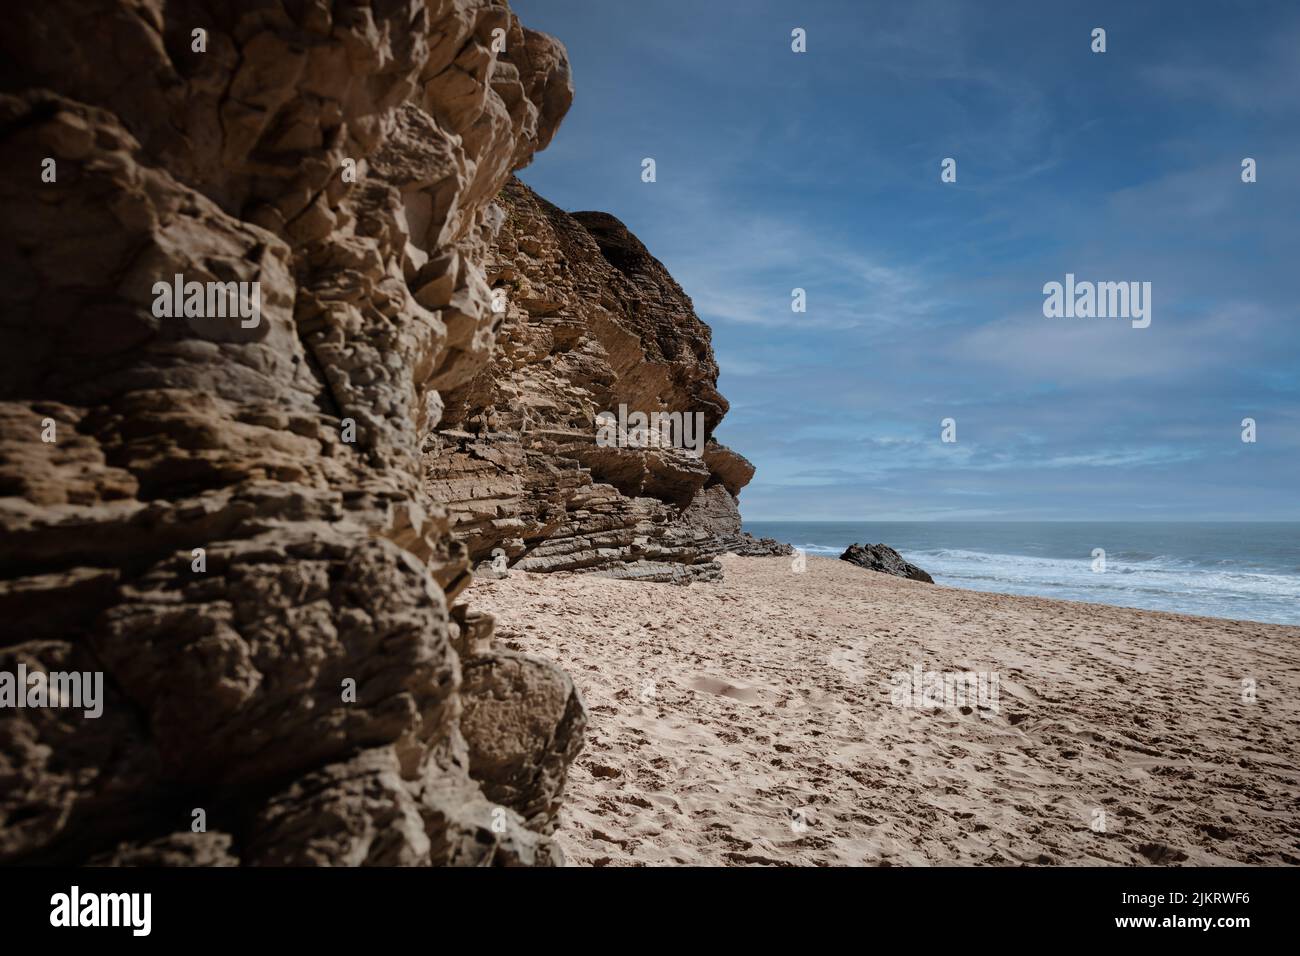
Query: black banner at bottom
x=333 y=906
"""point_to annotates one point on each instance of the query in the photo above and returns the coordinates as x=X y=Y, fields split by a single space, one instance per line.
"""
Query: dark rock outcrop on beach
x=882 y=558
x=235 y=523
x=591 y=322
x=753 y=547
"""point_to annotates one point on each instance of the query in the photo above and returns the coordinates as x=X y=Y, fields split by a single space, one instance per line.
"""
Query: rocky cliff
x=256 y=526
x=591 y=323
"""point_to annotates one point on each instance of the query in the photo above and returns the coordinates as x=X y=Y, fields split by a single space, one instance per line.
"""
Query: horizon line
x=1272 y=521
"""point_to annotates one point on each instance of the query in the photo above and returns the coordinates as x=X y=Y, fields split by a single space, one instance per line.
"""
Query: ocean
x=1238 y=570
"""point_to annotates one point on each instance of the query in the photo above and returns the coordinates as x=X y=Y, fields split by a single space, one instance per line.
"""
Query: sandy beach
x=755 y=721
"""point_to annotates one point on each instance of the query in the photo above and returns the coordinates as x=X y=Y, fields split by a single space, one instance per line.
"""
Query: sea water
x=1239 y=570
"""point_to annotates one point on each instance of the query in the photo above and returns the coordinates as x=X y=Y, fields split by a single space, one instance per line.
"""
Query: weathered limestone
x=298 y=678
x=592 y=321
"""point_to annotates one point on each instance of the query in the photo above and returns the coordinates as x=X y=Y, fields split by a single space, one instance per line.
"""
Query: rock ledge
x=882 y=558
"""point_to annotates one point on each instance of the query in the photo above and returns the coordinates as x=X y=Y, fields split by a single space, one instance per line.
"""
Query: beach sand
x=752 y=721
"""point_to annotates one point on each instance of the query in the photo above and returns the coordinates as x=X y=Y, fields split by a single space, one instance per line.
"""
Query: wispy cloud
x=820 y=171
x=1264 y=77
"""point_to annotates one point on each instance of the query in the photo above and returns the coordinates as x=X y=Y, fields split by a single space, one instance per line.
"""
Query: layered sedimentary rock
x=591 y=323
x=883 y=558
x=231 y=520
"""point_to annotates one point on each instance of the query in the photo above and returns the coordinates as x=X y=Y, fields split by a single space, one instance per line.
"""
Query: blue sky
x=821 y=170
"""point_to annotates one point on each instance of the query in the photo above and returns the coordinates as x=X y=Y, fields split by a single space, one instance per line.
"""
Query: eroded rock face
x=882 y=558
x=523 y=724
x=232 y=520
x=590 y=321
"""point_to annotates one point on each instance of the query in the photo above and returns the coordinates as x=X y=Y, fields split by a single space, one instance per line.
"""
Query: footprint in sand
x=711 y=685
